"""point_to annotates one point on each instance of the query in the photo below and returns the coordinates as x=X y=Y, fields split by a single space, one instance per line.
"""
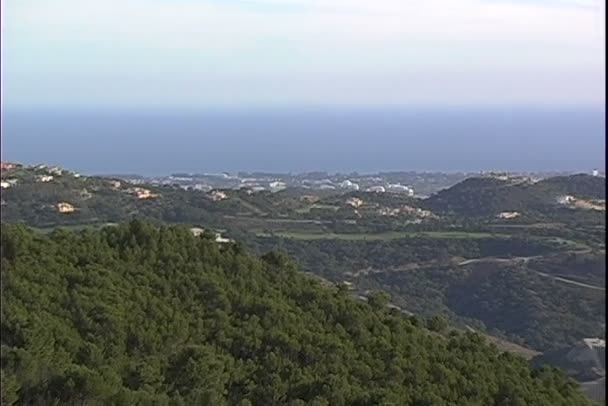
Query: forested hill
x=489 y=196
x=136 y=314
x=580 y=185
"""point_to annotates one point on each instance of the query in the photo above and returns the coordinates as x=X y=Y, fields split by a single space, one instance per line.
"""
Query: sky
x=264 y=53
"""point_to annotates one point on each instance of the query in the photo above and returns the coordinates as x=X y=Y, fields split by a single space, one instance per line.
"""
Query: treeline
x=139 y=314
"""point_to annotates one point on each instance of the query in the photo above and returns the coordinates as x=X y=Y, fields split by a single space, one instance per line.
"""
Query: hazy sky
x=193 y=53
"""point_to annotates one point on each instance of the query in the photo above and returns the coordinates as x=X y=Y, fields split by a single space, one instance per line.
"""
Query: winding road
x=525 y=260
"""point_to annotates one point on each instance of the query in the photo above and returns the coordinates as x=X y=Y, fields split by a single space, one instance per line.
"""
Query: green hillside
x=544 y=303
x=100 y=200
x=137 y=314
x=581 y=185
x=489 y=196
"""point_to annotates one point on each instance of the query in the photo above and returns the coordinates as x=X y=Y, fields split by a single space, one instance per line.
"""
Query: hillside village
x=16 y=177
x=74 y=194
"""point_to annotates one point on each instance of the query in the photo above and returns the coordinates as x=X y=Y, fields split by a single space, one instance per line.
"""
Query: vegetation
x=542 y=313
x=140 y=314
x=504 y=296
x=337 y=257
x=490 y=196
x=468 y=204
x=581 y=185
x=388 y=243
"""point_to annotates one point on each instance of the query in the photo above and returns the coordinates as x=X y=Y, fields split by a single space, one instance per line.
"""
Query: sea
x=162 y=142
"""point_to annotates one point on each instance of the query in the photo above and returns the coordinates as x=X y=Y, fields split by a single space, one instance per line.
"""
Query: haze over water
x=364 y=140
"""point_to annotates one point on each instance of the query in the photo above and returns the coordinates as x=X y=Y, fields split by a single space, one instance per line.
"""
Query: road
x=571 y=282
x=525 y=260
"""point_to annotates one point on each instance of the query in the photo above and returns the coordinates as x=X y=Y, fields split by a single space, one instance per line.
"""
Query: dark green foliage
x=437 y=323
x=379 y=300
x=490 y=196
x=137 y=314
x=581 y=185
x=332 y=258
x=543 y=313
x=507 y=299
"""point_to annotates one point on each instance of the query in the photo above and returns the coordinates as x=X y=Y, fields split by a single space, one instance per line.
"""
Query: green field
x=306 y=210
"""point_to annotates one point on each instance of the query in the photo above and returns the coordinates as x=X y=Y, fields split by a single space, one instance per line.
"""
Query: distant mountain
x=489 y=196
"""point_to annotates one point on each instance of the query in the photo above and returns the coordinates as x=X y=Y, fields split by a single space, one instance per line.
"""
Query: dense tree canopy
x=138 y=314
x=509 y=299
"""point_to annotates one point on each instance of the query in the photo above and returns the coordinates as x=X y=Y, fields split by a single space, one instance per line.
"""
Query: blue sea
x=333 y=140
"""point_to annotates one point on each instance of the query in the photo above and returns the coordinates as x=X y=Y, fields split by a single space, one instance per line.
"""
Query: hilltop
x=580 y=186
x=491 y=196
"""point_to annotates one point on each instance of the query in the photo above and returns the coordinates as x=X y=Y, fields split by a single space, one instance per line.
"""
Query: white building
x=594 y=342
x=276 y=186
x=566 y=199
x=180 y=179
x=220 y=239
x=398 y=188
x=200 y=186
x=347 y=184
x=376 y=189
x=197 y=231
x=64 y=207
x=45 y=178
x=508 y=215
x=55 y=170
x=217 y=195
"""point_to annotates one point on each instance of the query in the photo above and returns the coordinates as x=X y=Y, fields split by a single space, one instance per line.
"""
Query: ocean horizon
x=333 y=140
